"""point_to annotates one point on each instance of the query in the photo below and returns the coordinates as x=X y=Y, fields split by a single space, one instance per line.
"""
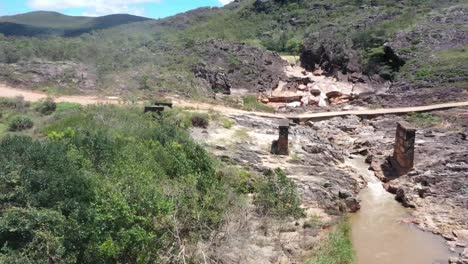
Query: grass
x=251 y=104
x=227 y=122
x=241 y=135
x=67 y=106
x=424 y=119
x=443 y=66
x=291 y=59
x=337 y=248
x=313 y=222
x=3 y=129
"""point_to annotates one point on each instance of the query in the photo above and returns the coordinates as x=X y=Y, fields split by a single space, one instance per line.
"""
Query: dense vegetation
x=104 y=184
x=161 y=55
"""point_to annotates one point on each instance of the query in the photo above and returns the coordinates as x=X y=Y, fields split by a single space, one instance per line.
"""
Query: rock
x=403 y=198
x=429 y=134
x=464 y=254
x=344 y=194
x=302 y=87
x=423 y=192
x=369 y=159
x=40 y=73
x=461 y=234
x=265 y=68
x=334 y=94
x=352 y=204
x=216 y=79
x=315 y=92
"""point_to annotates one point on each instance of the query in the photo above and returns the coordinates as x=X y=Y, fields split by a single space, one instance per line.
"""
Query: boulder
x=403 y=198
x=315 y=92
x=352 y=204
x=334 y=94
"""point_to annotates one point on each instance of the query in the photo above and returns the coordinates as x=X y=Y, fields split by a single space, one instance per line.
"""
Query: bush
x=277 y=196
x=200 y=120
x=109 y=185
x=46 y=106
x=20 y=123
x=18 y=103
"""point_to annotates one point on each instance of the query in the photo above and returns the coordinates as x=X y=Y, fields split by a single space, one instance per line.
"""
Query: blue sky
x=148 y=8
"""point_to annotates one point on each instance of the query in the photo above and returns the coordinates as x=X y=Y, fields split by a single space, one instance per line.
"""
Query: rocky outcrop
x=69 y=76
x=321 y=51
x=238 y=67
x=216 y=80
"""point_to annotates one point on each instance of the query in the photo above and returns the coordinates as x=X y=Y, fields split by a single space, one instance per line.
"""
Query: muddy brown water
x=378 y=234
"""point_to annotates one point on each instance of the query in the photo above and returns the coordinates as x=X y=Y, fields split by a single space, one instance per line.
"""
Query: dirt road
x=34 y=96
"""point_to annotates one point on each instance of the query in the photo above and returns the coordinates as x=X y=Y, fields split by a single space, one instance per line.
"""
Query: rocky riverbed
x=328 y=189
x=436 y=188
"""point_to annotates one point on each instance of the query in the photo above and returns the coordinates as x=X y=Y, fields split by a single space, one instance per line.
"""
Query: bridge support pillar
x=281 y=146
x=403 y=153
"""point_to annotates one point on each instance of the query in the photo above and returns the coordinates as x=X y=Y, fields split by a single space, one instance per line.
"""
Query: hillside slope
x=43 y=23
x=417 y=49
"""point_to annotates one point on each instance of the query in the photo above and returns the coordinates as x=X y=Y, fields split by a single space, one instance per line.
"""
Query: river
x=379 y=236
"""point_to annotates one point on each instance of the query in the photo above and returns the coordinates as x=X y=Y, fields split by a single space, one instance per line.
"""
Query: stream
x=379 y=236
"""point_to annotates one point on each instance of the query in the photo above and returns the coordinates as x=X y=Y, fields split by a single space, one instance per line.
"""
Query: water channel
x=379 y=236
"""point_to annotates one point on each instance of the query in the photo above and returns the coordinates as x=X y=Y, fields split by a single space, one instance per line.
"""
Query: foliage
x=227 y=123
x=239 y=178
x=277 y=196
x=46 y=106
x=18 y=103
x=20 y=123
x=250 y=103
x=424 y=119
x=337 y=249
x=200 y=120
x=159 y=55
x=108 y=185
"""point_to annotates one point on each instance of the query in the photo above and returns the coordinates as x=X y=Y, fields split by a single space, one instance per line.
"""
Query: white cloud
x=225 y=2
x=93 y=7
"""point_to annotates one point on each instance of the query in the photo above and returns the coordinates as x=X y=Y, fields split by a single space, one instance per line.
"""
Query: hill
x=43 y=23
x=406 y=47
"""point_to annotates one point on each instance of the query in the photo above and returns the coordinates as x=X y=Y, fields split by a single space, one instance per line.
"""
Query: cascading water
x=378 y=234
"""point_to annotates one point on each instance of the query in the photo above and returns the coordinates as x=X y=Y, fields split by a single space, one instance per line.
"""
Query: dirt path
x=35 y=96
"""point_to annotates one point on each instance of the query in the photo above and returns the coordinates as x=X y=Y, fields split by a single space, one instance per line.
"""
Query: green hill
x=407 y=43
x=43 y=23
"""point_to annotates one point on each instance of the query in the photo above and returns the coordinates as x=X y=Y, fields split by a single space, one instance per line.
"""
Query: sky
x=147 y=8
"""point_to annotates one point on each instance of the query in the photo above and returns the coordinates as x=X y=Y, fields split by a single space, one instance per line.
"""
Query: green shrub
x=227 y=122
x=337 y=248
x=109 y=185
x=238 y=178
x=17 y=103
x=200 y=120
x=277 y=196
x=20 y=123
x=250 y=103
x=46 y=106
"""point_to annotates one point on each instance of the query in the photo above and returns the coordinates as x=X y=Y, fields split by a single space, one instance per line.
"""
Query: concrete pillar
x=281 y=146
x=403 y=153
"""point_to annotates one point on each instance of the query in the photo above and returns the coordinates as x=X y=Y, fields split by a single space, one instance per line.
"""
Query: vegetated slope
x=108 y=184
x=43 y=23
x=206 y=50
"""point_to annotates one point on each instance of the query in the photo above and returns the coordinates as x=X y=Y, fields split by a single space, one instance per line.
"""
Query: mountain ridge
x=45 y=23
